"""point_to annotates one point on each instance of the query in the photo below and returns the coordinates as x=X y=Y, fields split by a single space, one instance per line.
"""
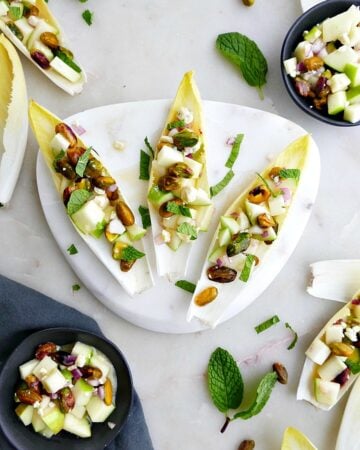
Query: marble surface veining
x=138 y=50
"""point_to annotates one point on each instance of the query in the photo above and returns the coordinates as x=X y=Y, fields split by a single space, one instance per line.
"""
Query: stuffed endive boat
x=257 y=233
x=93 y=201
x=333 y=358
x=13 y=119
x=179 y=196
x=33 y=29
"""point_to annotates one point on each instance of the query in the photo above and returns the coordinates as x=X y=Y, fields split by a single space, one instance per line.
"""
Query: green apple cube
x=44 y=368
x=243 y=221
x=3 y=8
x=54 y=381
x=313 y=34
x=263 y=234
x=125 y=238
x=352 y=70
x=277 y=205
x=98 y=410
x=339 y=58
x=230 y=223
x=84 y=350
x=175 y=241
x=65 y=70
x=37 y=422
x=353 y=95
x=339 y=82
x=27 y=368
x=204 y=216
x=101 y=363
x=135 y=232
x=290 y=66
x=254 y=210
x=46 y=432
x=331 y=368
x=54 y=419
x=170 y=222
x=237 y=261
x=25 y=413
x=168 y=156
x=201 y=198
x=217 y=253
x=59 y=143
x=336 y=27
x=326 y=392
x=78 y=426
x=88 y=216
x=25 y=29
x=157 y=197
x=224 y=237
x=336 y=102
x=303 y=51
x=67 y=374
x=78 y=411
x=194 y=165
x=318 y=352
x=82 y=392
x=16 y=10
x=354 y=36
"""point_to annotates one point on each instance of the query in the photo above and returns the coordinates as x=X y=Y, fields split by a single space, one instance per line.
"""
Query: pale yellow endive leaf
x=294 y=439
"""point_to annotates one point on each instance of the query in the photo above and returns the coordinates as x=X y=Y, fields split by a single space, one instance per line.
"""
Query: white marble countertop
x=138 y=50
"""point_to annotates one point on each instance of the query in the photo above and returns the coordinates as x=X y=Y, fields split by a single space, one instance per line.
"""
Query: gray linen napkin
x=16 y=323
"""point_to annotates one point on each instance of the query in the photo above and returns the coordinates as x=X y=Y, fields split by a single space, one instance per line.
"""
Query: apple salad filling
x=65 y=388
x=245 y=232
x=93 y=199
x=42 y=40
x=176 y=192
x=337 y=355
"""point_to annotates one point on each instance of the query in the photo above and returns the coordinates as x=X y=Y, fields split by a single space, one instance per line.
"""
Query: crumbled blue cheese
x=166 y=236
x=111 y=425
x=351 y=333
x=186 y=115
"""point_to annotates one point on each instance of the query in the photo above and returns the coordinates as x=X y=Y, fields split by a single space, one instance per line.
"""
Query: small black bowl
x=25 y=438
x=306 y=21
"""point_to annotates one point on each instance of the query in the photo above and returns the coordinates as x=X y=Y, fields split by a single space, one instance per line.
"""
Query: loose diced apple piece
x=82 y=392
x=27 y=368
x=217 y=253
x=25 y=413
x=78 y=426
x=290 y=66
x=230 y=223
x=195 y=166
x=98 y=410
x=83 y=350
x=224 y=237
x=326 y=392
x=243 y=221
x=335 y=27
x=65 y=70
x=331 y=368
x=254 y=210
x=277 y=205
x=168 y=156
x=44 y=368
x=303 y=51
x=335 y=333
x=54 y=381
x=101 y=363
x=353 y=72
x=352 y=113
x=336 y=102
x=46 y=432
x=78 y=411
x=338 y=82
x=37 y=422
x=353 y=95
x=340 y=57
x=201 y=198
x=318 y=352
x=54 y=419
x=135 y=232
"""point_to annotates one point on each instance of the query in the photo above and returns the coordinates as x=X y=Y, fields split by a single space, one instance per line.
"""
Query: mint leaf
x=214 y=190
x=186 y=285
x=99 y=229
x=294 y=341
x=145 y=216
x=72 y=250
x=77 y=199
x=267 y=324
x=263 y=393
x=180 y=210
x=290 y=173
x=76 y=287
x=67 y=60
x=224 y=381
x=353 y=362
x=234 y=151
x=246 y=271
x=176 y=124
x=144 y=166
x=246 y=55
x=147 y=143
x=130 y=253
x=185 y=139
x=57 y=158
x=88 y=16
x=188 y=230
x=82 y=162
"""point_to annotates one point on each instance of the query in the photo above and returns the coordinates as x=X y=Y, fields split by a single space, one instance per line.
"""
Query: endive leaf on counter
x=172 y=260
x=139 y=277
x=334 y=279
x=31 y=41
x=294 y=439
x=13 y=119
x=306 y=388
x=348 y=437
x=232 y=297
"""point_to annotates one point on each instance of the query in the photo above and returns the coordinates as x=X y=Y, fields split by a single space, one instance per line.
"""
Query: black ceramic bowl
x=24 y=438
x=313 y=16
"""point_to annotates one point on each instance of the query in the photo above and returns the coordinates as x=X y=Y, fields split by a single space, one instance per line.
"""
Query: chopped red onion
x=53 y=396
x=76 y=373
x=302 y=87
x=219 y=262
x=317 y=46
x=265 y=234
x=230 y=140
x=93 y=382
x=300 y=67
x=189 y=155
x=101 y=392
x=322 y=53
x=112 y=188
x=69 y=360
x=320 y=85
x=356 y=301
x=79 y=130
x=225 y=261
x=286 y=194
x=343 y=377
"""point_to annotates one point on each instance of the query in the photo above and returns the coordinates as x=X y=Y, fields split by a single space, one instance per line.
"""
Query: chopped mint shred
x=88 y=16
x=82 y=162
x=235 y=150
x=130 y=253
x=186 y=285
x=294 y=341
x=72 y=250
x=145 y=216
x=246 y=271
x=290 y=173
x=267 y=324
x=215 y=190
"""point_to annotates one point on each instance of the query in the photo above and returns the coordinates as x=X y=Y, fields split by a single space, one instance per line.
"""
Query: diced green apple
x=16 y=10
x=339 y=58
x=54 y=381
x=230 y=223
x=83 y=350
x=27 y=368
x=335 y=27
x=254 y=210
x=290 y=66
x=88 y=216
x=353 y=95
x=336 y=102
x=44 y=368
x=82 y=392
x=352 y=113
x=326 y=392
x=277 y=205
x=354 y=36
x=313 y=34
x=78 y=411
x=78 y=426
x=201 y=199
x=37 y=422
x=25 y=29
x=334 y=333
x=303 y=51
x=224 y=237
x=352 y=70
x=125 y=238
x=237 y=261
x=157 y=197
x=243 y=221
x=25 y=413
x=135 y=232
x=318 y=352
x=98 y=410
x=204 y=216
x=46 y=432
x=217 y=253
x=168 y=156
x=263 y=234
x=339 y=82
x=175 y=241
x=54 y=419
x=59 y=143
x=65 y=70
x=3 y=8
x=195 y=166
x=67 y=374
x=170 y=222
x=331 y=368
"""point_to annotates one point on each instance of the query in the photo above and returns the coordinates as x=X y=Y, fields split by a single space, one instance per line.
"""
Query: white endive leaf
x=294 y=439
x=136 y=280
x=334 y=279
x=13 y=119
x=349 y=433
x=45 y=13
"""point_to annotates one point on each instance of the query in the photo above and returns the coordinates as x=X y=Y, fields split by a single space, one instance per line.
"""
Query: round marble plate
x=307 y=4
x=162 y=308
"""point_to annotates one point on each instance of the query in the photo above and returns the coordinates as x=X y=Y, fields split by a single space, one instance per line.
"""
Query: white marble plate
x=307 y=4
x=164 y=307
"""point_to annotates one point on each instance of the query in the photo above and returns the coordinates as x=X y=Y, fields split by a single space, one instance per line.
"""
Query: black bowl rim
x=289 y=87
x=116 y=430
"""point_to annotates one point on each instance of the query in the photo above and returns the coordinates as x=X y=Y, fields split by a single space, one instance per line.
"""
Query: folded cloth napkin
x=24 y=311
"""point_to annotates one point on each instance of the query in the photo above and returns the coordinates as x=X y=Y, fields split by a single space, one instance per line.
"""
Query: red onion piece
x=53 y=396
x=189 y=156
x=320 y=85
x=112 y=188
x=302 y=87
x=76 y=373
x=93 y=382
x=79 y=130
x=286 y=194
x=101 y=392
x=300 y=67
x=343 y=377
x=225 y=261
x=265 y=234
x=317 y=46
x=230 y=140
x=69 y=360
x=219 y=262
x=356 y=301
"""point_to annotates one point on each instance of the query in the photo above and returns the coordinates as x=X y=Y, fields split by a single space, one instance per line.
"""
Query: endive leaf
x=45 y=13
x=13 y=119
x=139 y=277
x=294 y=439
x=301 y=154
x=348 y=437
